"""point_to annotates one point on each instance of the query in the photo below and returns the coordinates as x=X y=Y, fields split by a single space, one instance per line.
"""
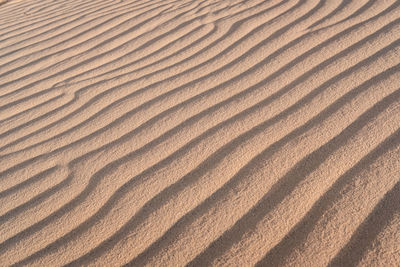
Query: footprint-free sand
x=200 y=132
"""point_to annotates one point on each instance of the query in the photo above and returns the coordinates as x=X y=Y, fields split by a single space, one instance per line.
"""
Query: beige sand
x=200 y=132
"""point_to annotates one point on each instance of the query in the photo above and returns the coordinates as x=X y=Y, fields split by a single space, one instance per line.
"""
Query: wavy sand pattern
x=200 y=132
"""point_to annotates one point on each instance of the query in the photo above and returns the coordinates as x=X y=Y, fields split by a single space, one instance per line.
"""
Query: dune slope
x=200 y=133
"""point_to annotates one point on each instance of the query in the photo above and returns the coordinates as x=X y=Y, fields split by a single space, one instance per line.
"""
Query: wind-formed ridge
x=199 y=133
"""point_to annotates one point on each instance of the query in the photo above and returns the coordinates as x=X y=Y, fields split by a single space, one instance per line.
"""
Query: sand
x=200 y=132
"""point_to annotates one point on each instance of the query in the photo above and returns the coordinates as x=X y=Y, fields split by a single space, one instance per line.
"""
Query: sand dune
x=200 y=132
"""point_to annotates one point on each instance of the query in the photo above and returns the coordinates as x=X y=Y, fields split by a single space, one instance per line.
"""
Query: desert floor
x=200 y=132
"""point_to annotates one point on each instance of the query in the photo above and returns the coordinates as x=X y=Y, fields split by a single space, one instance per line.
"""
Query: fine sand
x=200 y=132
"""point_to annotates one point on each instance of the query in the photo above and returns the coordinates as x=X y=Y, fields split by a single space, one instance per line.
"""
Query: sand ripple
x=200 y=132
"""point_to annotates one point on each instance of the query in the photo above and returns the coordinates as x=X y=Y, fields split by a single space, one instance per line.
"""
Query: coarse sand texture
x=200 y=133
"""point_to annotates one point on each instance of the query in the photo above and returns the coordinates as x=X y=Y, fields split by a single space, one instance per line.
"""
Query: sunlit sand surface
x=200 y=132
